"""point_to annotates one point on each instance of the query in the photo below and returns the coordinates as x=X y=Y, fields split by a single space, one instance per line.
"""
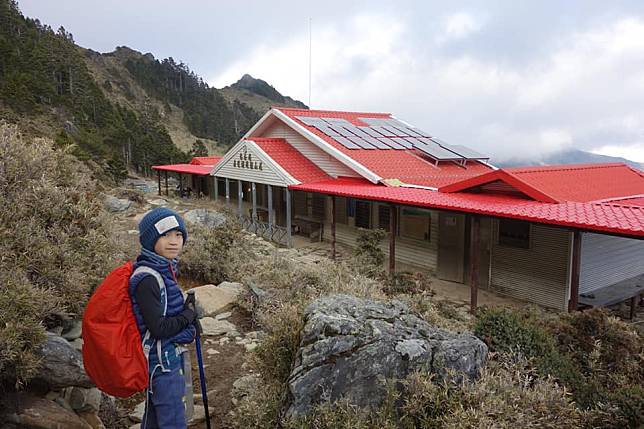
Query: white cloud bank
x=585 y=92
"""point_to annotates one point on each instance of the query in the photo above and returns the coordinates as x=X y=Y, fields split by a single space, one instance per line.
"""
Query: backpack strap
x=147 y=345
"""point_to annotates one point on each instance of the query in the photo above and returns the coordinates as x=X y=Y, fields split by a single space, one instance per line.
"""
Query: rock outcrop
x=212 y=300
x=350 y=347
x=205 y=217
x=62 y=364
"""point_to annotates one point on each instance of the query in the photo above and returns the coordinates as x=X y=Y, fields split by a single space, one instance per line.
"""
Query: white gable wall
x=268 y=174
x=323 y=160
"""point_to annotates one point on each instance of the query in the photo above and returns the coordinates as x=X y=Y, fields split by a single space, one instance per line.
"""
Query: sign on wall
x=245 y=161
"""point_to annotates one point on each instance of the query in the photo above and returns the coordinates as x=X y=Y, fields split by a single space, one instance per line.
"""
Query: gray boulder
x=115 y=205
x=62 y=364
x=350 y=347
x=205 y=217
x=39 y=413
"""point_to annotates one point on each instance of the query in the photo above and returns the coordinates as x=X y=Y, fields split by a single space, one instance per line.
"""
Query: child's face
x=169 y=245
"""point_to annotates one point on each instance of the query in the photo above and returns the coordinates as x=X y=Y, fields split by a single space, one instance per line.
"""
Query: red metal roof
x=291 y=160
x=205 y=160
x=199 y=170
x=602 y=217
x=407 y=166
x=558 y=183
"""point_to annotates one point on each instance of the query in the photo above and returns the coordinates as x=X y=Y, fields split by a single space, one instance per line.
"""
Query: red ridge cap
x=311 y=112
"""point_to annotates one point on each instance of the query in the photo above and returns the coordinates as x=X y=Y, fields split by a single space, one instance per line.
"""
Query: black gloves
x=190 y=308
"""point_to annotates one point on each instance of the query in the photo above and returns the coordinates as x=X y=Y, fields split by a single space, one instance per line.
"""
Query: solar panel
x=377 y=143
x=466 y=152
x=339 y=131
x=371 y=132
x=310 y=120
x=402 y=142
x=337 y=121
x=346 y=142
x=362 y=143
x=326 y=130
x=396 y=132
x=356 y=131
x=389 y=142
x=373 y=121
x=382 y=130
x=437 y=152
x=414 y=141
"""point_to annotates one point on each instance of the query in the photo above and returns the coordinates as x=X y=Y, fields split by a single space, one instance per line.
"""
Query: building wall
x=415 y=253
x=328 y=164
x=266 y=175
x=539 y=274
x=606 y=260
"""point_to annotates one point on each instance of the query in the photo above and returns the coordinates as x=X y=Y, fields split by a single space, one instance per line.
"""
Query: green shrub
x=214 y=255
x=368 y=257
x=57 y=246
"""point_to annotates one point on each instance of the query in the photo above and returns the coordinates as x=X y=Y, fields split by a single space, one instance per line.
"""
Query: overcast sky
x=508 y=78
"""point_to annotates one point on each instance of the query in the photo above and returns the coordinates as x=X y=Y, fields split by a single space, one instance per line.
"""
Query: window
x=363 y=214
x=383 y=217
x=415 y=223
x=514 y=233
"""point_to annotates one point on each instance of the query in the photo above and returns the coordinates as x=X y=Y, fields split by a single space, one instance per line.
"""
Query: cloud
x=583 y=92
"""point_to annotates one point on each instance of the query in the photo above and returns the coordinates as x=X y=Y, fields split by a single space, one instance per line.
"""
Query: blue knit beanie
x=156 y=223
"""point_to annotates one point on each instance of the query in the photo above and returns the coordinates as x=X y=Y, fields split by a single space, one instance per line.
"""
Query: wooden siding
x=267 y=175
x=538 y=274
x=326 y=162
x=606 y=260
x=418 y=254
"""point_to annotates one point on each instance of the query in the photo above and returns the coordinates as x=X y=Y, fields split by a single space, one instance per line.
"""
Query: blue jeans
x=165 y=401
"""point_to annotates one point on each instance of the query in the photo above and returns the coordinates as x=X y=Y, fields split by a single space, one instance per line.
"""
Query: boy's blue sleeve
x=186 y=336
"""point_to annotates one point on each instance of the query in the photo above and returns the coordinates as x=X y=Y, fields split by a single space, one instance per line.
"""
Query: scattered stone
x=39 y=413
x=75 y=331
x=350 y=347
x=77 y=344
x=213 y=327
x=212 y=300
x=116 y=205
x=224 y=340
x=212 y=352
x=245 y=385
x=83 y=400
x=62 y=365
x=222 y=316
x=136 y=426
x=250 y=347
x=137 y=413
x=158 y=202
x=92 y=419
x=133 y=231
x=142 y=185
x=205 y=217
x=199 y=415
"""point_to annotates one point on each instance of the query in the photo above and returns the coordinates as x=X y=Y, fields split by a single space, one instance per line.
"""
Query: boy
x=164 y=320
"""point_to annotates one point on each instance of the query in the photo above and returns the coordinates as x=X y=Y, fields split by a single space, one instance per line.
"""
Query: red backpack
x=112 y=350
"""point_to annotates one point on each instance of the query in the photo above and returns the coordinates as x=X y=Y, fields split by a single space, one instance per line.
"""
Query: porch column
x=227 y=191
x=216 y=187
x=269 y=191
x=333 y=254
x=159 y=179
x=393 y=227
x=574 y=277
x=240 y=193
x=254 y=194
x=475 y=251
x=166 y=183
x=288 y=217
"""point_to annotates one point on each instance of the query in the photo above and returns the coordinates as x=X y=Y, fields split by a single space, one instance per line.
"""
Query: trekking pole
x=202 y=375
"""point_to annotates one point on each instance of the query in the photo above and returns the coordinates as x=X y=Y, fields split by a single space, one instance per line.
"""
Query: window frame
x=509 y=241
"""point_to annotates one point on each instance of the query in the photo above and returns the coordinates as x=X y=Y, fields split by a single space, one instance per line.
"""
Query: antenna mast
x=310 y=56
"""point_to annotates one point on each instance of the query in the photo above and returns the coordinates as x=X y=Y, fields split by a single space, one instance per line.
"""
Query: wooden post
x=240 y=196
x=475 y=252
x=166 y=184
x=288 y=217
x=574 y=277
x=254 y=195
x=159 y=179
x=393 y=228
x=227 y=191
x=269 y=191
x=333 y=250
x=216 y=188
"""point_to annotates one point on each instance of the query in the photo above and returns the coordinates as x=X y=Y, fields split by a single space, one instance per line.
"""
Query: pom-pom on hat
x=156 y=223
